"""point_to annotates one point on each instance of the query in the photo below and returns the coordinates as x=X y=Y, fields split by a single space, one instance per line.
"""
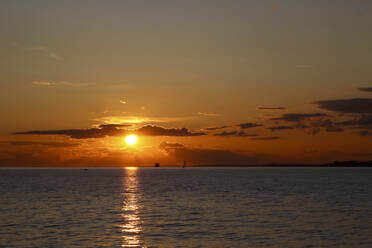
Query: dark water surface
x=186 y=207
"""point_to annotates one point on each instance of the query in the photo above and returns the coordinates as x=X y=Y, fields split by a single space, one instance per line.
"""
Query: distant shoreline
x=341 y=164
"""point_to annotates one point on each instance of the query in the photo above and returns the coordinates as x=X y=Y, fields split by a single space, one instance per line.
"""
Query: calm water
x=186 y=207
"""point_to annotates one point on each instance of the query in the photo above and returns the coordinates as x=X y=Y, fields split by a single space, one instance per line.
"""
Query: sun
x=131 y=139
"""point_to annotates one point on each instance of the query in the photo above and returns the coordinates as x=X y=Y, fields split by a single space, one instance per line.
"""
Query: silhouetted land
x=351 y=163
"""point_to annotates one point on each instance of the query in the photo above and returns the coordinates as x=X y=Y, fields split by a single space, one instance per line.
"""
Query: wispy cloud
x=369 y=89
x=62 y=83
x=123 y=102
x=51 y=54
x=235 y=133
x=42 y=83
x=270 y=108
x=277 y=128
x=208 y=114
x=42 y=49
x=248 y=125
x=296 y=117
x=215 y=128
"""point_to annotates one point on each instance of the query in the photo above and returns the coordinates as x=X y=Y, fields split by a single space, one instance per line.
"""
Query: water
x=186 y=207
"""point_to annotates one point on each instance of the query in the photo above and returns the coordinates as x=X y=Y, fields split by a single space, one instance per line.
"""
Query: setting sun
x=131 y=139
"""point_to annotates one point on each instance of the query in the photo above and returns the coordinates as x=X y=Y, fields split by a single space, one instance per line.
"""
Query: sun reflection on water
x=132 y=223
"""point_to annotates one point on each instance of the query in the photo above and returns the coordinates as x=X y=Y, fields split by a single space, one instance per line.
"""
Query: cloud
x=202 y=155
x=63 y=83
x=313 y=123
x=295 y=117
x=327 y=124
x=334 y=129
x=216 y=128
x=123 y=102
x=166 y=145
x=114 y=130
x=369 y=89
x=75 y=84
x=42 y=83
x=51 y=54
x=362 y=121
x=365 y=133
x=355 y=105
x=235 y=133
x=100 y=132
x=150 y=130
x=360 y=108
x=43 y=49
x=208 y=114
x=266 y=138
x=270 y=108
x=276 y=128
x=248 y=125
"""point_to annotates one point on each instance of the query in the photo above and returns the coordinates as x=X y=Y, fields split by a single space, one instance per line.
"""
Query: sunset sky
x=209 y=82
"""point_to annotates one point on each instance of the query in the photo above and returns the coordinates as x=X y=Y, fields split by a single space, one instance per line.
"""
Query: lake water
x=186 y=207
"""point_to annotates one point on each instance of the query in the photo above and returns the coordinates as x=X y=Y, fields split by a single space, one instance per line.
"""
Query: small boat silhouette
x=156 y=164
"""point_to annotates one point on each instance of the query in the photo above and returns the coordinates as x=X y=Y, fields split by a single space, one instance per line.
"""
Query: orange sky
x=233 y=82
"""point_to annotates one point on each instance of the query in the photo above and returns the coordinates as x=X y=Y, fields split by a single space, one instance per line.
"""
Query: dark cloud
x=361 y=108
x=314 y=131
x=365 y=133
x=216 y=128
x=270 y=108
x=150 y=130
x=199 y=155
x=277 y=128
x=248 y=125
x=326 y=124
x=365 y=89
x=363 y=121
x=113 y=130
x=267 y=138
x=355 y=105
x=114 y=125
x=295 y=117
x=100 y=132
x=235 y=133
x=165 y=145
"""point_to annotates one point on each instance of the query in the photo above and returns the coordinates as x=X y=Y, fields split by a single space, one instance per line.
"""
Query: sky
x=207 y=82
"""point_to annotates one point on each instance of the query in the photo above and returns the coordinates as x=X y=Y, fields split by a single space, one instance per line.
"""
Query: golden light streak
x=131 y=227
